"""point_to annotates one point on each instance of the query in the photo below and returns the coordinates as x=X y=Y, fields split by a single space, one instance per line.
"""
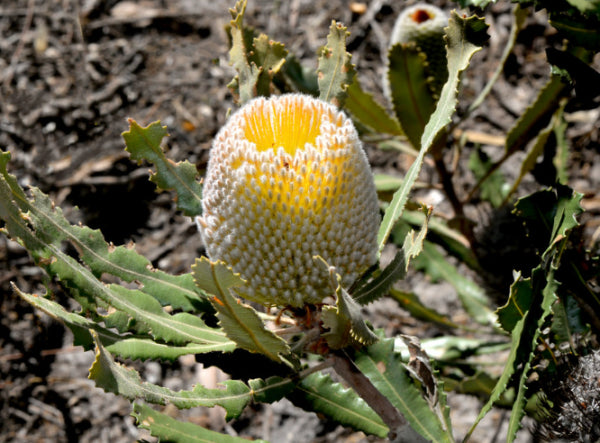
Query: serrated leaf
x=384 y=368
x=449 y=347
x=344 y=321
x=233 y=395
x=536 y=116
x=44 y=239
x=177 y=291
x=557 y=209
x=530 y=160
x=382 y=283
x=319 y=393
x=166 y=428
x=240 y=322
x=450 y=239
x=125 y=346
x=471 y=295
x=269 y=56
x=464 y=38
x=369 y=112
x=518 y=303
x=410 y=92
x=244 y=83
x=413 y=242
x=335 y=71
x=145 y=144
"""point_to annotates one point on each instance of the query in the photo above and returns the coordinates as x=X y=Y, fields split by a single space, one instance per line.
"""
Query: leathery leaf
x=240 y=322
x=145 y=144
x=465 y=36
x=233 y=395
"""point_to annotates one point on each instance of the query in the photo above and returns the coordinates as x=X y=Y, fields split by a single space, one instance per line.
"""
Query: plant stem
x=400 y=430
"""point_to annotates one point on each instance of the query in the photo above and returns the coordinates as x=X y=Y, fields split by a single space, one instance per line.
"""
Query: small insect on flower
x=288 y=180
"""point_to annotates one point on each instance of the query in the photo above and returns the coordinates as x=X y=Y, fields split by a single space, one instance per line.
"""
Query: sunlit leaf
x=166 y=428
x=384 y=368
x=335 y=71
x=240 y=322
x=145 y=144
x=464 y=38
x=319 y=393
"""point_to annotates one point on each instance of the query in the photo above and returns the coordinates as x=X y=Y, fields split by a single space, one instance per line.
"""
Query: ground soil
x=72 y=72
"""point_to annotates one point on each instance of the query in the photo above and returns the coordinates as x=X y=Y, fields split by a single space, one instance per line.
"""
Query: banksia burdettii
x=423 y=25
x=288 y=180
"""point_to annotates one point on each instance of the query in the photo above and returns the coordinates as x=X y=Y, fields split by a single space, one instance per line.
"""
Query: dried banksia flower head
x=288 y=180
x=423 y=25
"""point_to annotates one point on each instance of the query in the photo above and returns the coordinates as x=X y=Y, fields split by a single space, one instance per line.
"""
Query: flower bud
x=423 y=25
x=288 y=180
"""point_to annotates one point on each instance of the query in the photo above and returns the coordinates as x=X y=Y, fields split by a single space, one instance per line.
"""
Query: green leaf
x=578 y=29
x=369 y=112
x=344 y=321
x=303 y=79
x=240 y=322
x=450 y=239
x=233 y=395
x=553 y=209
x=411 y=303
x=536 y=116
x=384 y=368
x=269 y=56
x=537 y=149
x=125 y=346
x=44 y=238
x=382 y=283
x=413 y=242
x=244 y=83
x=145 y=144
x=166 y=428
x=472 y=296
x=561 y=159
x=464 y=38
x=517 y=305
x=319 y=393
x=532 y=299
x=335 y=71
x=410 y=92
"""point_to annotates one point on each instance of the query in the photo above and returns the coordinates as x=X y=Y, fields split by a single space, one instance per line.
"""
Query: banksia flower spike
x=288 y=180
x=423 y=25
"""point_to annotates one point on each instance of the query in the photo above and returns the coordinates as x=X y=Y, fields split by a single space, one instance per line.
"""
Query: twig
x=400 y=430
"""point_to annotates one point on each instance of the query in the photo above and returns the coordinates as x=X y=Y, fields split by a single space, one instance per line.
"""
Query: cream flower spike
x=288 y=180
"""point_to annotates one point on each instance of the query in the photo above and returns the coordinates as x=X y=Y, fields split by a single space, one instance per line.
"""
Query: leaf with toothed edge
x=240 y=322
x=465 y=36
x=42 y=230
x=145 y=144
x=335 y=71
x=386 y=371
x=166 y=428
x=233 y=395
x=344 y=321
x=319 y=393
x=125 y=346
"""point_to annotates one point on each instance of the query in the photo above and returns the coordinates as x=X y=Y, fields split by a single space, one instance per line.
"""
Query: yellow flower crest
x=288 y=180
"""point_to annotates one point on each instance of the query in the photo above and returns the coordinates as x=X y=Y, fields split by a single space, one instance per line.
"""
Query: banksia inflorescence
x=424 y=26
x=288 y=180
